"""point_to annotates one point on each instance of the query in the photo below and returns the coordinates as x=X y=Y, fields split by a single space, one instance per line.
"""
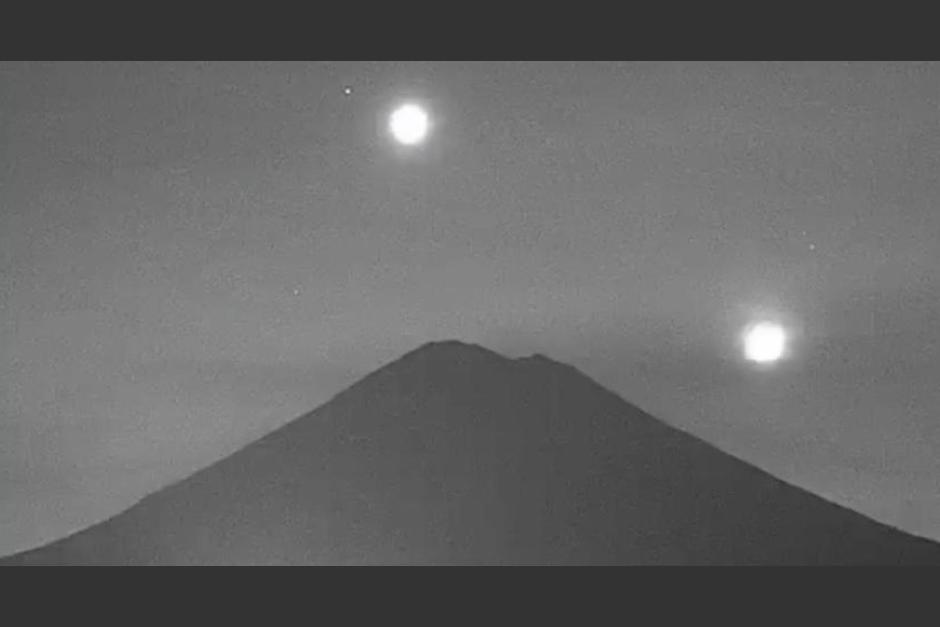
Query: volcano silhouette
x=454 y=454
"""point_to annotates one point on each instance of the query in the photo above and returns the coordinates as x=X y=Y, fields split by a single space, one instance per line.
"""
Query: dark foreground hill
x=454 y=454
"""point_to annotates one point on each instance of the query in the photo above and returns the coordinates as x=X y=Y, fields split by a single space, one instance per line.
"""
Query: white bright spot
x=409 y=124
x=764 y=342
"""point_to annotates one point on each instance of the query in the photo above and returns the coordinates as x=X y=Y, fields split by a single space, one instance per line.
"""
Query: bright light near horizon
x=409 y=124
x=765 y=342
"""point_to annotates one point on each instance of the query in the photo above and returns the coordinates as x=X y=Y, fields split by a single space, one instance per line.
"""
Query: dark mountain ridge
x=454 y=454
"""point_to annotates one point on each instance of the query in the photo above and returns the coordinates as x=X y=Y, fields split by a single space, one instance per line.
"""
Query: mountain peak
x=539 y=359
x=452 y=348
x=450 y=362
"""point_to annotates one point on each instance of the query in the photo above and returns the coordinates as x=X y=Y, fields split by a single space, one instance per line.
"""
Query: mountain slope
x=454 y=454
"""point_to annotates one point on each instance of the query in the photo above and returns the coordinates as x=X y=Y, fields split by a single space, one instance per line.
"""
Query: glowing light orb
x=409 y=124
x=765 y=342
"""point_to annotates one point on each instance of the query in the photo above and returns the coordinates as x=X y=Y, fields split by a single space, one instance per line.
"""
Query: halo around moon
x=409 y=124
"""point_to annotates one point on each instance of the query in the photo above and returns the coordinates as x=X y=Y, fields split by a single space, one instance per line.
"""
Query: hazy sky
x=194 y=253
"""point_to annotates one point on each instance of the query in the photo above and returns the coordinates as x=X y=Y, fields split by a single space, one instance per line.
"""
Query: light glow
x=765 y=342
x=409 y=124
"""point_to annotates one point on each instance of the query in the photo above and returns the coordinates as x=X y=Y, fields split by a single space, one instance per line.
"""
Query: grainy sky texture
x=194 y=253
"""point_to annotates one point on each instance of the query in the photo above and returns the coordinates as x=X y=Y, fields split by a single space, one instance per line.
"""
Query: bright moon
x=764 y=342
x=409 y=124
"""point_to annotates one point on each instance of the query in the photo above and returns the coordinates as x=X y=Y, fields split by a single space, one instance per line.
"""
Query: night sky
x=192 y=254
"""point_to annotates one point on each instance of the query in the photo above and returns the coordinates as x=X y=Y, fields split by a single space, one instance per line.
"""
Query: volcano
x=454 y=454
